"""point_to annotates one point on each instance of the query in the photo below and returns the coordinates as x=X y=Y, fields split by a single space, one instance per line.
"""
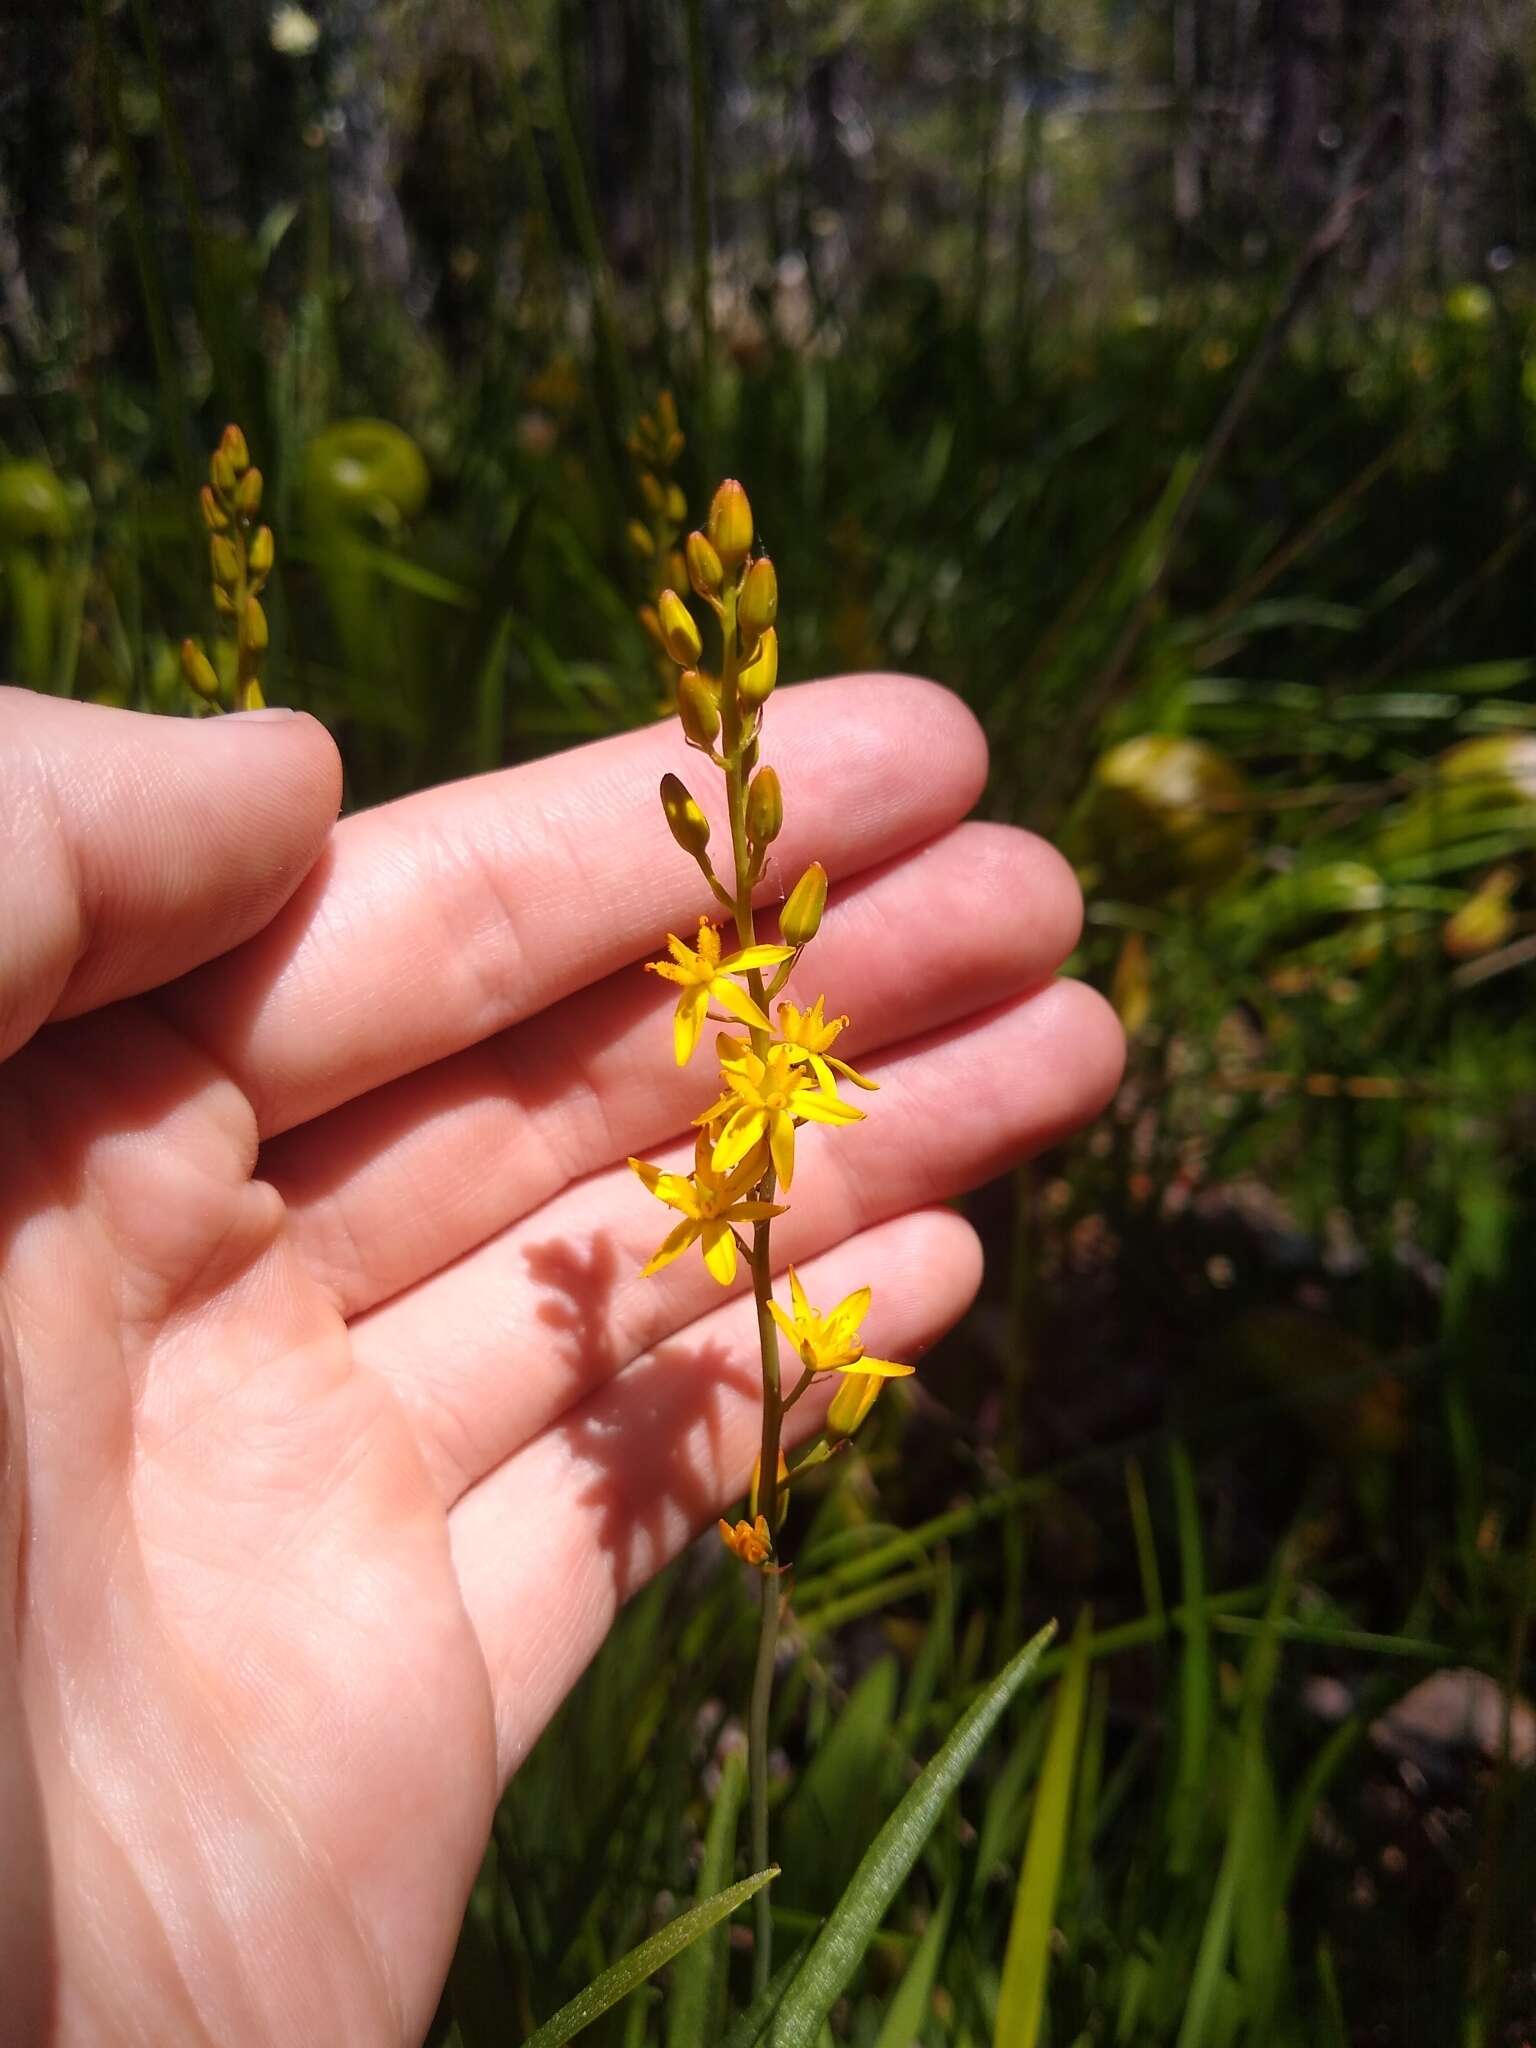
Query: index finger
x=438 y=920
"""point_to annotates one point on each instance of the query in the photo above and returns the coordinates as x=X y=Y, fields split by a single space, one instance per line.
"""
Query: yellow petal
x=781 y=1146
x=672 y=1246
x=755 y=956
x=649 y=1175
x=884 y=1368
x=785 y=1324
x=720 y=1252
x=804 y=1313
x=682 y=976
x=855 y=1396
x=685 y=957
x=737 y=1140
x=730 y=996
x=848 y=1074
x=817 y=1108
x=732 y=1053
x=755 y=1212
x=688 y=1022
x=849 y=1313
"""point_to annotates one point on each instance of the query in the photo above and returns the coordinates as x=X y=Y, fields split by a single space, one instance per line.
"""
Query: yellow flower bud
x=650 y=489
x=765 y=808
x=639 y=537
x=697 y=707
x=225 y=558
x=1485 y=920
x=248 y=494
x=652 y=624
x=215 y=518
x=677 y=568
x=222 y=472
x=675 y=505
x=749 y=1541
x=199 y=671
x=856 y=1394
x=253 y=626
x=680 y=635
x=223 y=603
x=800 y=919
x=232 y=445
x=689 y=826
x=248 y=696
x=757 y=679
x=758 y=605
x=704 y=571
x=259 y=554
x=730 y=524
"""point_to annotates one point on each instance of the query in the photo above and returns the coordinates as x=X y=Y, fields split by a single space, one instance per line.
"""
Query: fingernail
x=269 y=713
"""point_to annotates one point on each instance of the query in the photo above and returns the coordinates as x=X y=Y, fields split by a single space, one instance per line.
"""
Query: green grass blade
x=1026 y=1962
x=642 y=1962
x=1196 y=1677
x=841 y=1944
x=693 y=2010
x=906 y=2012
x=749 y=2027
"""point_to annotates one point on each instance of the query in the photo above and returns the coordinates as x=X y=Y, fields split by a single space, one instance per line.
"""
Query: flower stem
x=735 y=748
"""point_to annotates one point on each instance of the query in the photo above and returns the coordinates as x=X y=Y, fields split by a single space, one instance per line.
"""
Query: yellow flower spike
x=755 y=682
x=679 y=634
x=704 y=570
x=856 y=1394
x=689 y=826
x=808 y=1034
x=764 y=1100
x=758 y=605
x=698 y=708
x=710 y=1204
x=830 y=1343
x=703 y=975
x=800 y=919
x=750 y=1541
x=765 y=808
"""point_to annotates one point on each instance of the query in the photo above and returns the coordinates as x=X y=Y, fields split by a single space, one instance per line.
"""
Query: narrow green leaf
x=749 y=2027
x=1196 y=1682
x=906 y=2012
x=840 y=1946
x=1026 y=1962
x=693 y=2010
x=642 y=1962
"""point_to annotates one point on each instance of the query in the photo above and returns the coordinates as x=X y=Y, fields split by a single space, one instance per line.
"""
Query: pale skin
x=338 y=1422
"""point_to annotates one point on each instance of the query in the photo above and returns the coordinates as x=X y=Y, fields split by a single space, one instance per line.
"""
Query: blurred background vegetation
x=1161 y=374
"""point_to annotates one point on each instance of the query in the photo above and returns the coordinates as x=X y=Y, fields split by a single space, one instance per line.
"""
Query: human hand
x=338 y=1422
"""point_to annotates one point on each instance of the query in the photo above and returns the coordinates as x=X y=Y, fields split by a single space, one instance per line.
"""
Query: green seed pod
x=688 y=824
x=679 y=633
x=199 y=671
x=698 y=708
x=800 y=919
x=758 y=605
x=765 y=808
x=756 y=680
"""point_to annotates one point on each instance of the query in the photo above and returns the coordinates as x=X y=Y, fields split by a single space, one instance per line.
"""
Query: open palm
x=337 y=1420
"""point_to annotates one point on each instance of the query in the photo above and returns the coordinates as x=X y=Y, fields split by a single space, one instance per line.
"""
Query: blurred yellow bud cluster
x=655 y=447
x=240 y=556
x=778 y=1077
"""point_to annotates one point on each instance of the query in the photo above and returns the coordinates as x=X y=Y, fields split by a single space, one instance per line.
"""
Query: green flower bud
x=765 y=808
x=698 y=708
x=679 y=633
x=688 y=824
x=800 y=919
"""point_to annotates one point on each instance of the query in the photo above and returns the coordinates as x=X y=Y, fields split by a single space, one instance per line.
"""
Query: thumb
x=134 y=847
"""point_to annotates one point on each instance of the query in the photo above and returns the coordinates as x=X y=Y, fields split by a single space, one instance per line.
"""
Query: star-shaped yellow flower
x=711 y=1203
x=808 y=1034
x=702 y=975
x=763 y=1100
x=750 y=1541
x=830 y=1343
